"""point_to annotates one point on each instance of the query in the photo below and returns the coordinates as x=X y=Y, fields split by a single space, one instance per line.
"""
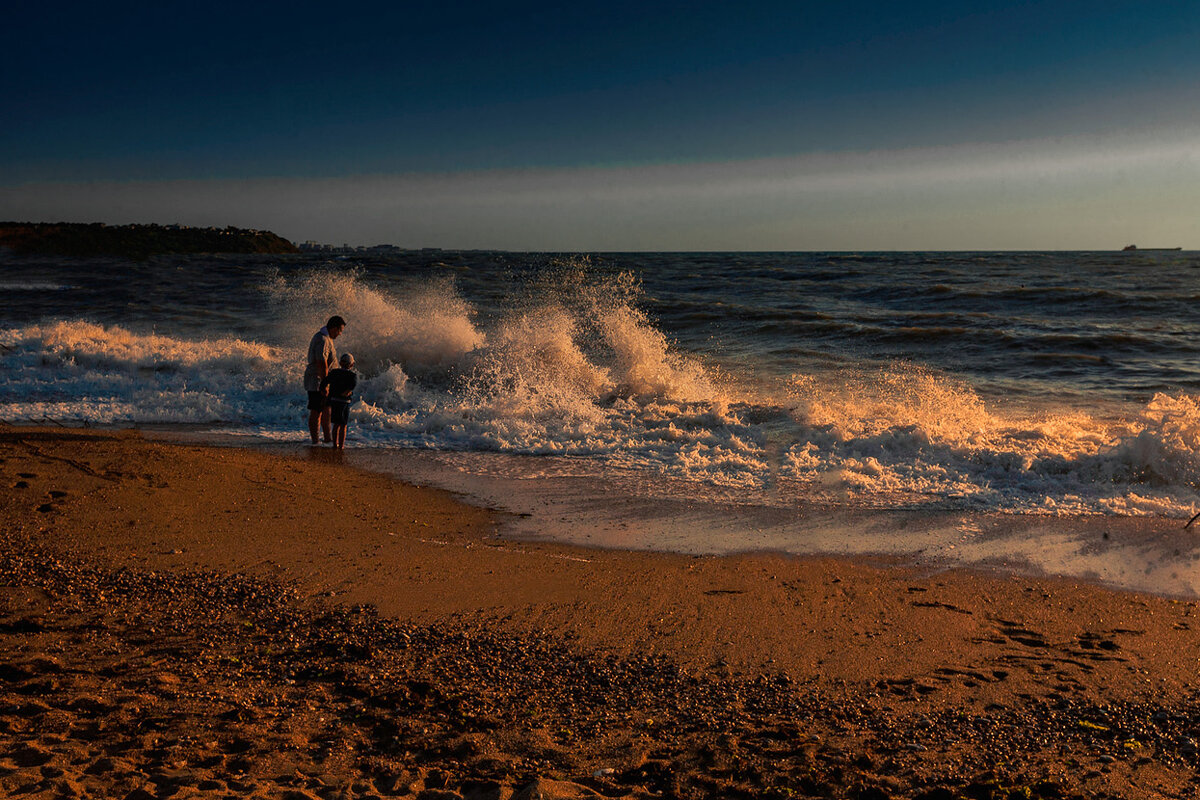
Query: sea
x=1035 y=413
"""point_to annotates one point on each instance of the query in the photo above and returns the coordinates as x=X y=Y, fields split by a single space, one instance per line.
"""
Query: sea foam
x=575 y=367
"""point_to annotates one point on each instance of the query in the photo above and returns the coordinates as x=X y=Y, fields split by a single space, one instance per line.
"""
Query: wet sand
x=184 y=621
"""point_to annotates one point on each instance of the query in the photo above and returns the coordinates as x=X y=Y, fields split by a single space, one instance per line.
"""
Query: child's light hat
x=347 y=361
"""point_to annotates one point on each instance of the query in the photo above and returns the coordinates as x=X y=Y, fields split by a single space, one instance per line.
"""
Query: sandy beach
x=190 y=621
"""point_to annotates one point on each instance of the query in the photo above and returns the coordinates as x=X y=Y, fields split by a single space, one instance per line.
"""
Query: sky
x=613 y=126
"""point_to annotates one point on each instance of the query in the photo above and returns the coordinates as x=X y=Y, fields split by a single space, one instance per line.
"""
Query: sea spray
x=568 y=360
x=84 y=344
x=426 y=329
x=78 y=371
x=1165 y=452
x=904 y=436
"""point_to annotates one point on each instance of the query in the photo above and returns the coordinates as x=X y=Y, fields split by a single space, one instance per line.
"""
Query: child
x=338 y=385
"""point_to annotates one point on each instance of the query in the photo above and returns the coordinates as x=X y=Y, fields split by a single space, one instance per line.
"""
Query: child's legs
x=341 y=418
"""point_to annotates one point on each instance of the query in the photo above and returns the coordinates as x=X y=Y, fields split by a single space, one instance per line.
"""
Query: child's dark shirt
x=341 y=383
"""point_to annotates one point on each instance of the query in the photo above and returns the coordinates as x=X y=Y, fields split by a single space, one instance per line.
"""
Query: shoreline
x=1142 y=554
x=493 y=664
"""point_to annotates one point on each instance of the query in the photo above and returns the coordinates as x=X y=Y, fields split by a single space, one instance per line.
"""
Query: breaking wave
x=575 y=367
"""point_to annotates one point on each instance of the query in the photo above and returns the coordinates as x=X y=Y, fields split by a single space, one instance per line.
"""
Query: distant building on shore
x=311 y=246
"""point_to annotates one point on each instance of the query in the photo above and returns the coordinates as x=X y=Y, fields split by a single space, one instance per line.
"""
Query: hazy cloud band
x=1060 y=194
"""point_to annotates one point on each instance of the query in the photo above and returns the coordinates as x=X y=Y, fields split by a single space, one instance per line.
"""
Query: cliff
x=134 y=241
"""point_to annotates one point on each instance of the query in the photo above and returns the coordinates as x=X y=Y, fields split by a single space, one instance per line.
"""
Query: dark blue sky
x=155 y=90
x=152 y=92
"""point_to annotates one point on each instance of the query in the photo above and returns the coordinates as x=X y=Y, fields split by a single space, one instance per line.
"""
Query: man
x=322 y=357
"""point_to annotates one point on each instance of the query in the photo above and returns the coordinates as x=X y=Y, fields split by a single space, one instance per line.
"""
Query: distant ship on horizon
x=1129 y=247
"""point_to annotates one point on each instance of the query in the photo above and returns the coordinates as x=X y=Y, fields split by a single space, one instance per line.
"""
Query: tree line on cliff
x=134 y=241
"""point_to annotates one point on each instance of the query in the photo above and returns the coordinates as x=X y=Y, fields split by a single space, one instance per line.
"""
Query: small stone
x=87 y=704
x=45 y=664
x=543 y=789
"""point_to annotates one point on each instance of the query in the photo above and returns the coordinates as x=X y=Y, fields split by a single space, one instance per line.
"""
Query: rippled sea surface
x=1015 y=383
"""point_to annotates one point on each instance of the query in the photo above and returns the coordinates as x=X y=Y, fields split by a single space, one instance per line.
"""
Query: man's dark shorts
x=339 y=413
x=317 y=401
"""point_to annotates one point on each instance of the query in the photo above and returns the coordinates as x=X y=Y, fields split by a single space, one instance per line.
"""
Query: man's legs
x=318 y=416
x=324 y=426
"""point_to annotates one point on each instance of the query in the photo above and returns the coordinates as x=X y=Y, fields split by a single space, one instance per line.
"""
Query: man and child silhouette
x=330 y=388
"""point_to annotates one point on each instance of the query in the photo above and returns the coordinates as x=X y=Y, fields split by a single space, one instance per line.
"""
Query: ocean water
x=1009 y=406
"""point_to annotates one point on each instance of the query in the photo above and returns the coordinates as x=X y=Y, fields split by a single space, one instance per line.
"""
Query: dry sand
x=182 y=621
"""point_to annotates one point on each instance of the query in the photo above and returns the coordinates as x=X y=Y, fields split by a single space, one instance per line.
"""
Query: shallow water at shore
x=553 y=500
x=1141 y=554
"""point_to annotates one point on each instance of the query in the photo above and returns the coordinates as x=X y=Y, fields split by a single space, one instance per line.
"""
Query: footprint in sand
x=1015 y=633
x=946 y=606
x=1096 y=641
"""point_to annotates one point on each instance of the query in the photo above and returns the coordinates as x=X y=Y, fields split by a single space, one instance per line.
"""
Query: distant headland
x=134 y=241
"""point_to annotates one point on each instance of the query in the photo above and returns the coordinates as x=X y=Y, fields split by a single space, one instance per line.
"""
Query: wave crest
x=427 y=329
x=576 y=367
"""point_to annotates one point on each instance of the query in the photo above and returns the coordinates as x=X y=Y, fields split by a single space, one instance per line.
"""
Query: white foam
x=905 y=433
x=577 y=369
x=427 y=329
